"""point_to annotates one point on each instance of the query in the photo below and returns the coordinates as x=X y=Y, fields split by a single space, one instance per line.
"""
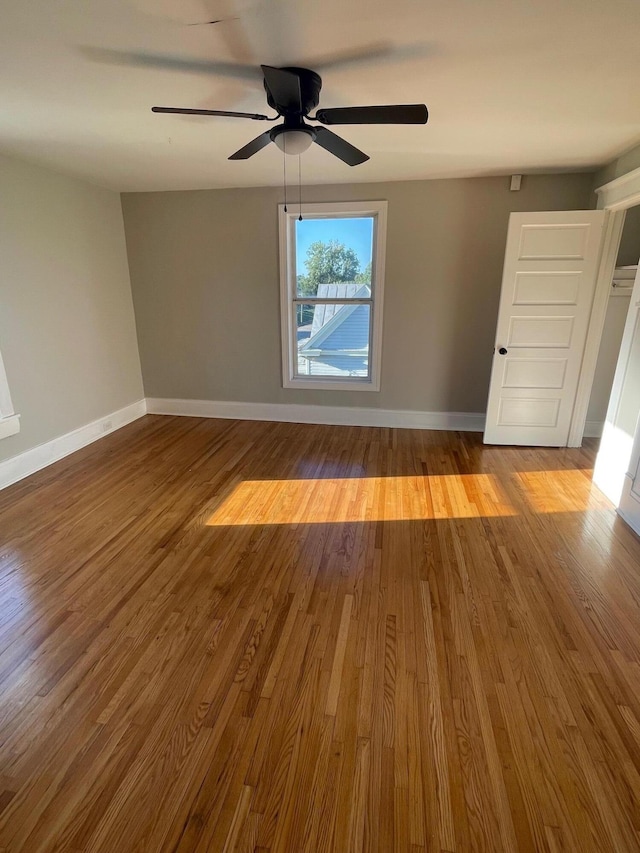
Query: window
x=9 y=422
x=332 y=279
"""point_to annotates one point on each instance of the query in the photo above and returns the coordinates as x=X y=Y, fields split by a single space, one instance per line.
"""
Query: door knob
x=502 y=351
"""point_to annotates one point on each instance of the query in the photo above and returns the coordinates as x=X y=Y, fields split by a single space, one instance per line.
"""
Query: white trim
x=616 y=197
x=311 y=414
x=629 y=519
x=9 y=421
x=20 y=466
x=6 y=406
x=287 y=248
x=612 y=233
x=621 y=193
x=593 y=429
x=9 y=425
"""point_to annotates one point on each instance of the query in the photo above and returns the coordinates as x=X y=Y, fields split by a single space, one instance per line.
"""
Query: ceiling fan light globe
x=294 y=141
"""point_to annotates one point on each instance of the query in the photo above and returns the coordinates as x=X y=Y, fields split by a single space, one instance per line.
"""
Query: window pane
x=333 y=340
x=333 y=256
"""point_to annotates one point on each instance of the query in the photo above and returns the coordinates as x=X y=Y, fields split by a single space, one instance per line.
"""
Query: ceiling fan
x=293 y=92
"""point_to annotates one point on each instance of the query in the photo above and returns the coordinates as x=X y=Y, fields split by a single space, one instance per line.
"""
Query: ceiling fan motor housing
x=310 y=85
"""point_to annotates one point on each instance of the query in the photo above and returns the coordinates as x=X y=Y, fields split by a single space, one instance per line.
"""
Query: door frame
x=615 y=198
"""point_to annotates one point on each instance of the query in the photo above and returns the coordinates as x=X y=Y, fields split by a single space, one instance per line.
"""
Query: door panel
x=540 y=331
x=548 y=284
x=534 y=372
x=547 y=288
x=528 y=412
x=553 y=241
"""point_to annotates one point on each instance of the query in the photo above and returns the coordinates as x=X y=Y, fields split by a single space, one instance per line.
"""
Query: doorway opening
x=614 y=405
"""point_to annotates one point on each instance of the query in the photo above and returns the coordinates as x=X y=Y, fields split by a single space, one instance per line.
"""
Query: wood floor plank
x=242 y=636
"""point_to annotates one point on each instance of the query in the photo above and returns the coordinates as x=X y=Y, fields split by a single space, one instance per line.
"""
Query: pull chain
x=284 y=173
x=300 y=187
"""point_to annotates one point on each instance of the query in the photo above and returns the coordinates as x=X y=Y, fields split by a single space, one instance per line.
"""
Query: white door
x=548 y=282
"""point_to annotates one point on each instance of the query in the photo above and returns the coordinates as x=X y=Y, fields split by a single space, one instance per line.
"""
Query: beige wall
x=626 y=162
x=615 y=318
x=629 y=251
x=67 y=330
x=204 y=273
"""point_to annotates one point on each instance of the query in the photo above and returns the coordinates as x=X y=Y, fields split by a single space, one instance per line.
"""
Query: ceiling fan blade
x=170 y=63
x=252 y=147
x=378 y=52
x=284 y=87
x=189 y=112
x=396 y=114
x=229 y=28
x=339 y=147
x=210 y=23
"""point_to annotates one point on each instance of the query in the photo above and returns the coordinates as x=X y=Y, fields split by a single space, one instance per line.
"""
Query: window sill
x=330 y=385
x=9 y=426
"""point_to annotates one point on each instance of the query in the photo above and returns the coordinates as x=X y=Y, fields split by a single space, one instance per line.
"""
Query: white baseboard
x=629 y=504
x=20 y=466
x=303 y=414
x=593 y=429
x=630 y=520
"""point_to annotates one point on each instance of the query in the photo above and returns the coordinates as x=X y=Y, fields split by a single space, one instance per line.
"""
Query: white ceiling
x=511 y=85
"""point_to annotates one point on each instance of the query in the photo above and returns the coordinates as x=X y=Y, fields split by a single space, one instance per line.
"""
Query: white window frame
x=289 y=298
x=9 y=421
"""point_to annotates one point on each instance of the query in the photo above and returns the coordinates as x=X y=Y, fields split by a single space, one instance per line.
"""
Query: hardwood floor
x=221 y=635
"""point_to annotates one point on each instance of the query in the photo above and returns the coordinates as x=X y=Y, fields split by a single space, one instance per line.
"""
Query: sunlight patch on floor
x=362 y=499
x=561 y=491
